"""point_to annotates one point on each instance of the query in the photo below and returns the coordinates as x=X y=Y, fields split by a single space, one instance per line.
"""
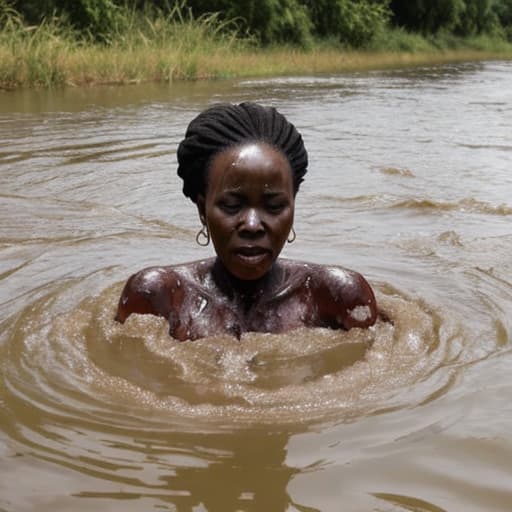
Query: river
x=409 y=183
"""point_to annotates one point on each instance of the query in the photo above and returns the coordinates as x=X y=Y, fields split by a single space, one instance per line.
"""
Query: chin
x=250 y=274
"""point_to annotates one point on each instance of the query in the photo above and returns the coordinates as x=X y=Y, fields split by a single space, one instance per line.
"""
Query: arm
x=150 y=291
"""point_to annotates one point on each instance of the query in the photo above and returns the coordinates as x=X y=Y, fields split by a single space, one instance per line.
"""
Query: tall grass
x=139 y=48
x=32 y=54
x=400 y=40
x=154 y=46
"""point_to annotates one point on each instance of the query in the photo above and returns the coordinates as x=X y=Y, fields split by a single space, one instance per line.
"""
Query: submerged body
x=201 y=299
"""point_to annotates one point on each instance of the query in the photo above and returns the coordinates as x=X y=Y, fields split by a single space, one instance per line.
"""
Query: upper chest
x=204 y=313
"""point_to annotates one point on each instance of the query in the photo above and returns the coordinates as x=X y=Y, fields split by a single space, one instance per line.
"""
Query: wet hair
x=225 y=126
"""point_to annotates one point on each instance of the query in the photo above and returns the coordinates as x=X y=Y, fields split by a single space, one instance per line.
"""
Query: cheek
x=287 y=219
x=281 y=228
x=219 y=226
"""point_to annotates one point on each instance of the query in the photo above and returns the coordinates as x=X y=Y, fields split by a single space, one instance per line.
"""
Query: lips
x=252 y=254
x=252 y=250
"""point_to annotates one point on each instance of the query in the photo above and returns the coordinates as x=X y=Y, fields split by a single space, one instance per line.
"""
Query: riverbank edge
x=159 y=67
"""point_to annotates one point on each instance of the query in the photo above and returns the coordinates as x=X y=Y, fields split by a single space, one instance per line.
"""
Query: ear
x=200 y=203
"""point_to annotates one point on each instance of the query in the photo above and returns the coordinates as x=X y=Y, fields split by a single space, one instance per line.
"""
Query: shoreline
x=152 y=45
x=96 y=66
x=334 y=62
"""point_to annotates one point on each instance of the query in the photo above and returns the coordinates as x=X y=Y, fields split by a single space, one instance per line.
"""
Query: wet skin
x=248 y=208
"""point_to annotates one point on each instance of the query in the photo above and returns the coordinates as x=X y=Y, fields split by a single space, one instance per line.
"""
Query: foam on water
x=314 y=374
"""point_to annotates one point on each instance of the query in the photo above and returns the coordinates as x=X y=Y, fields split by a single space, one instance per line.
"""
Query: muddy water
x=410 y=183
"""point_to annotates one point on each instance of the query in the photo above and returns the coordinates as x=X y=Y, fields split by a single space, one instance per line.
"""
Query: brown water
x=410 y=183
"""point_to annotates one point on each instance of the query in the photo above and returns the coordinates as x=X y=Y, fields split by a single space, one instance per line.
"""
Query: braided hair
x=224 y=126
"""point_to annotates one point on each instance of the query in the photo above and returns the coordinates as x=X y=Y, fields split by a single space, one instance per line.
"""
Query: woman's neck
x=247 y=292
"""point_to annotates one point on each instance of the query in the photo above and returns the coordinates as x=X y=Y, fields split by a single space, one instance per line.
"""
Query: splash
x=86 y=359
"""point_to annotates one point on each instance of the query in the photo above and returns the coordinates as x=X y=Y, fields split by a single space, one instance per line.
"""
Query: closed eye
x=276 y=203
x=276 y=207
x=230 y=207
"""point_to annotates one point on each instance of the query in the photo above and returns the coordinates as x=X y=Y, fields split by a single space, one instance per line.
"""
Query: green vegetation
x=56 y=42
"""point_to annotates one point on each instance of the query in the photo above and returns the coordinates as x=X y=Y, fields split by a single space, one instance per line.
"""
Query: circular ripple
x=81 y=366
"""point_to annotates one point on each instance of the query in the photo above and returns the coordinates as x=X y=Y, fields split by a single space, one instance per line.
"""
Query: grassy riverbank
x=170 y=49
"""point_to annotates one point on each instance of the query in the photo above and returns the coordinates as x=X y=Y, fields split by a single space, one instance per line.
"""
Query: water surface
x=409 y=183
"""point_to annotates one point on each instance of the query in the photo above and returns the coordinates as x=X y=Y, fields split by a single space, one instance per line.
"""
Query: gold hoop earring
x=292 y=236
x=203 y=236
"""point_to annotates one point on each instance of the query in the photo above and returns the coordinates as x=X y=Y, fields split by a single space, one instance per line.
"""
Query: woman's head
x=225 y=126
x=248 y=208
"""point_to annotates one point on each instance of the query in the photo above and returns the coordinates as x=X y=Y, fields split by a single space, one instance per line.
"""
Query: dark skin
x=248 y=208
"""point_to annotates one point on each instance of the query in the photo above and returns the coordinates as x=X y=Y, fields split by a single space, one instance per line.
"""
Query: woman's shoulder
x=333 y=276
x=351 y=289
x=158 y=277
x=338 y=290
x=158 y=289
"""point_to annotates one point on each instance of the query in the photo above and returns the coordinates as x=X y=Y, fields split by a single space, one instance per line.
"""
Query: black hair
x=224 y=126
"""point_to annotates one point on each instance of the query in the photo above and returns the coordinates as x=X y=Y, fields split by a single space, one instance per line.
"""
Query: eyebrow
x=268 y=193
x=239 y=189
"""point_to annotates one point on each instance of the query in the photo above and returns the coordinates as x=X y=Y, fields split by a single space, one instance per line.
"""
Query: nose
x=251 y=222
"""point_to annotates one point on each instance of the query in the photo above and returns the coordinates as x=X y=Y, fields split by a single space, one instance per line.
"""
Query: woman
x=242 y=166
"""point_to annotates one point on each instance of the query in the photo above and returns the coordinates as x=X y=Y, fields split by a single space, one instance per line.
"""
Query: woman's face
x=248 y=208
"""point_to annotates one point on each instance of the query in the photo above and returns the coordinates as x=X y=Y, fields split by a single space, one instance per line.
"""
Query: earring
x=292 y=236
x=203 y=236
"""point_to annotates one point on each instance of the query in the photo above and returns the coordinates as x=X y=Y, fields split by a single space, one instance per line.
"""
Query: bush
x=478 y=17
x=270 y=21
x=352 y=22
x=399 y=40
x=427 y=16
x=97 y=18
x=503 y=10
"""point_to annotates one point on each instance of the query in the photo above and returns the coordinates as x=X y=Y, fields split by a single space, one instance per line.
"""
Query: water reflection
x=409 y=503
x=227 y=471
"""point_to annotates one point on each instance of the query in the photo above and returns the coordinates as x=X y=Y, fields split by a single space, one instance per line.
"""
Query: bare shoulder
x=147 y=292
x=347 y=296
x=156 y=290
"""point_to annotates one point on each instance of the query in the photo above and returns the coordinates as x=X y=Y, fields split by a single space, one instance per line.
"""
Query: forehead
x=249 y=164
